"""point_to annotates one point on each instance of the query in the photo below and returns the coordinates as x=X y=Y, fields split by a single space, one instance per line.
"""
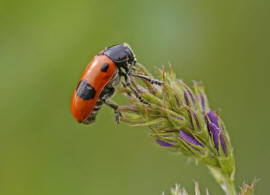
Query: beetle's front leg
x=152 y=81
x=129 y=73
x=127 y=79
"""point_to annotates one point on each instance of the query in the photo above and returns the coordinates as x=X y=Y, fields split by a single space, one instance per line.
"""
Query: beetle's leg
x=127 y=79
x=152 y=81
x=115 y=108
x=125 y=86
x=104 y=96
x=130 y=67
x=129 y=73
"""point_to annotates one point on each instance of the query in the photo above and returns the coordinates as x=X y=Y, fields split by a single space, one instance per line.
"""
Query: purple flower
x=186 y=98
x=202 y=101
x=196 y=120
x=213 y=118
x=192 y=98
x=176 y=117
x=214 y=129
x=177 y=101
x=189 y=138
x=163 y=143
x=222 y=126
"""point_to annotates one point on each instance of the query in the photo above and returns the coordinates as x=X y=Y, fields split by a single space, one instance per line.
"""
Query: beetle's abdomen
x=92 y=117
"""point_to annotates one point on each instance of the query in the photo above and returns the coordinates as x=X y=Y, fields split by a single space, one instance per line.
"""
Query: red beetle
x=99 y=79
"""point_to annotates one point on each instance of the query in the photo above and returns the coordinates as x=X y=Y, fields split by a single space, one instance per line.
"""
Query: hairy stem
x=226 y=183
x=230 y=188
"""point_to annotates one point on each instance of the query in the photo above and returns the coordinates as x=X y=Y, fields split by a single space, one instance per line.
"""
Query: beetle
x=99 y=79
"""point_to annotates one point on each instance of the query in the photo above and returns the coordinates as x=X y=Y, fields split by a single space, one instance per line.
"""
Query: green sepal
x=149 y=123
x=172 y=117
x=152 y=99
x=171 y=97
x=226 y=161
x=188 y=90
x=199 y=89
x=172 y=73
x=132 y=118
x=143 y=69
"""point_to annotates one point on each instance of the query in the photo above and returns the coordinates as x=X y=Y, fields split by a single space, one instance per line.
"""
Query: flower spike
x=181 y=120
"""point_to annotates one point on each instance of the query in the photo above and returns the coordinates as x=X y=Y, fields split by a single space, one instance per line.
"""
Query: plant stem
x=230 y=188
x=226 y=183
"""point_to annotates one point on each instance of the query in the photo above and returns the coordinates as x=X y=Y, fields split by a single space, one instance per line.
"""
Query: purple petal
x=186 y=98
x=217 y=136
x=202 y=101
x=223 y=144
x=213 y=118
x=162 y=143
x=196 y=120
x=189 y=138
x=176 y=117
x=192 y=98
x=158 y=125
x=222 y=127
x=177 y=101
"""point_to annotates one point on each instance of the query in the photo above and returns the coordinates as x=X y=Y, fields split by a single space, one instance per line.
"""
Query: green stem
x=226 y=183
x=230 y=188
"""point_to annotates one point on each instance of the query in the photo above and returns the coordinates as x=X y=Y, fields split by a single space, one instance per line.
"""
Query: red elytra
x=97 y=79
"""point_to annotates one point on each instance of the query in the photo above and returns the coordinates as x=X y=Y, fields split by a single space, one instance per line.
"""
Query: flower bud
x=163 y=143
x=213 y=127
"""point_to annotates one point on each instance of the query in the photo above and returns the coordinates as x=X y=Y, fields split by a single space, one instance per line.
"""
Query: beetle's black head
x=120 y=54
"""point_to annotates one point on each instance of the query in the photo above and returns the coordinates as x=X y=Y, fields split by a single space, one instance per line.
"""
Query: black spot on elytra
x=85 y=90
x=105 y=67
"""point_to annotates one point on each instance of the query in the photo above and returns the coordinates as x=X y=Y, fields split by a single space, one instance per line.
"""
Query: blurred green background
x=44 y=47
